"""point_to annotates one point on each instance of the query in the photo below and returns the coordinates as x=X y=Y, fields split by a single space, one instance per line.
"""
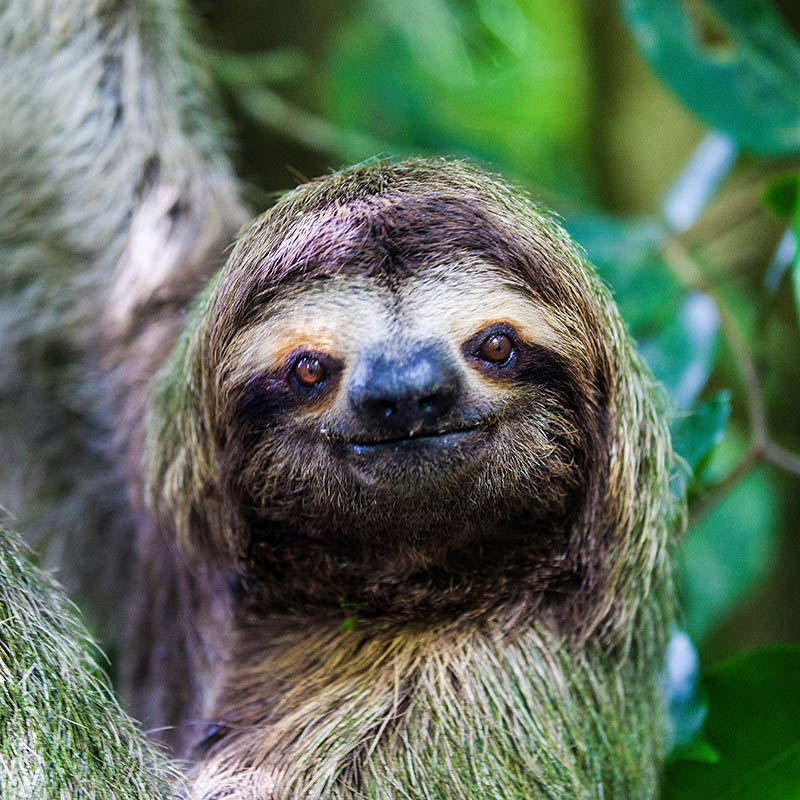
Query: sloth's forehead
x=346 y=314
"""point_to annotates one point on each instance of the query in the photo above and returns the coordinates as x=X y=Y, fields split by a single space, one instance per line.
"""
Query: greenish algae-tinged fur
x=63 y=735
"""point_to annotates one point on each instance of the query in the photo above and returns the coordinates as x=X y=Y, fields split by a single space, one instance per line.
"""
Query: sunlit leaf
x=685 y=700
x=728 y=553
x=733 y=62
x=753 y=726
x=431 y=29
x=507 y=21
x=699 y=180
x=796 y=262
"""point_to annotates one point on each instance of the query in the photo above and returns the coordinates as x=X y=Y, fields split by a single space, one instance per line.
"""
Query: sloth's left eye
x=495 y=348
x=310 y=371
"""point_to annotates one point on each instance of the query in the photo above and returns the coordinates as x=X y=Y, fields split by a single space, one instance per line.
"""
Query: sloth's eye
x=310 y=371
x=495 y=348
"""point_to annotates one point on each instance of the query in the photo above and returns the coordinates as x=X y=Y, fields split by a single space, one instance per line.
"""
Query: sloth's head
x=394 y=398
x=408 y=357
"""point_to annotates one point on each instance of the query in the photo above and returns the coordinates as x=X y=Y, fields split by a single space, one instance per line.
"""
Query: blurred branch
x=719 y=491
x=255 y=69
x=761 y=447
x=781 y=457
x=269 y=109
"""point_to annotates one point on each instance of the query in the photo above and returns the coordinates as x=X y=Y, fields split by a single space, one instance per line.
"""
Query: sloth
x=407 y=435
x=410 y=522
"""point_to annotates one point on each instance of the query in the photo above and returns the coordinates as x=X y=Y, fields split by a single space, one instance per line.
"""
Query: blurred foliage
x=706 y=272
x=751 y=743
x=734 y=62
x=472 y=79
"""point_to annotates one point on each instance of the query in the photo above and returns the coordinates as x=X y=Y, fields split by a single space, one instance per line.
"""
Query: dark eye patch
x=525 y=363
x=262 y=398
x=269 y=394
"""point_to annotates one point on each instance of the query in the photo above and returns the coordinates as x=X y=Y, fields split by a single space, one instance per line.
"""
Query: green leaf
x=695 y=435
x=733 y=62
x=626 y=254
x=782 y=193
x=681 y=355
x=753 y=726
x=729 y=552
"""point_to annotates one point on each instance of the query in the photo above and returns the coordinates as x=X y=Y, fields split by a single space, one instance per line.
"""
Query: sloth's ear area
x=632 y=516
x=180 y=448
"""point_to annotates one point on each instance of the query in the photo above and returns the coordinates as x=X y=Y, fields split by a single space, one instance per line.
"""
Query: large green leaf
x=733 y=62
x=753 y=725
x=728 y=553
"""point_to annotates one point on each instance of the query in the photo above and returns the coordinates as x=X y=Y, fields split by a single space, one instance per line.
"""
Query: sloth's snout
x=405 y=394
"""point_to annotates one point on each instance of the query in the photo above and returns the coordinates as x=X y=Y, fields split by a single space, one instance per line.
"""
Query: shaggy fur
x=63 y=733
x=116 y=202
x=506 y=629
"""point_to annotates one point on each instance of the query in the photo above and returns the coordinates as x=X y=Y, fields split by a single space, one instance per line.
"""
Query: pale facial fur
x=348 y=316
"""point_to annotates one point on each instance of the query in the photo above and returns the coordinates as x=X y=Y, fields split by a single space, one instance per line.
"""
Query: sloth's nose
x=404 y=394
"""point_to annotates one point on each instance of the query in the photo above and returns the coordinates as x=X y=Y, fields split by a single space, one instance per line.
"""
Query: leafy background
x=667 y=135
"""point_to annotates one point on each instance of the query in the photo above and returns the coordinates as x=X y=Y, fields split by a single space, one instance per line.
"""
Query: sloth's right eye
x=495 y=348
x=309 y=371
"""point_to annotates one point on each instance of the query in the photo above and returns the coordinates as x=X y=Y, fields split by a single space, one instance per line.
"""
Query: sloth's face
x=444 y=390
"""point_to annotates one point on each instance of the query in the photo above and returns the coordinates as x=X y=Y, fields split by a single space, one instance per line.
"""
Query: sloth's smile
x=446 y=438
x=416 y=462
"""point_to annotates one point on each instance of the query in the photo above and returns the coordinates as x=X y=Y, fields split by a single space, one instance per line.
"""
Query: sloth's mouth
x=446 y=437
x=417 y=461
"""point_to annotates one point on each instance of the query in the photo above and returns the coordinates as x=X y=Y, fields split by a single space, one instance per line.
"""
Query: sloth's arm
x=117 y=200
x=63 y=732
